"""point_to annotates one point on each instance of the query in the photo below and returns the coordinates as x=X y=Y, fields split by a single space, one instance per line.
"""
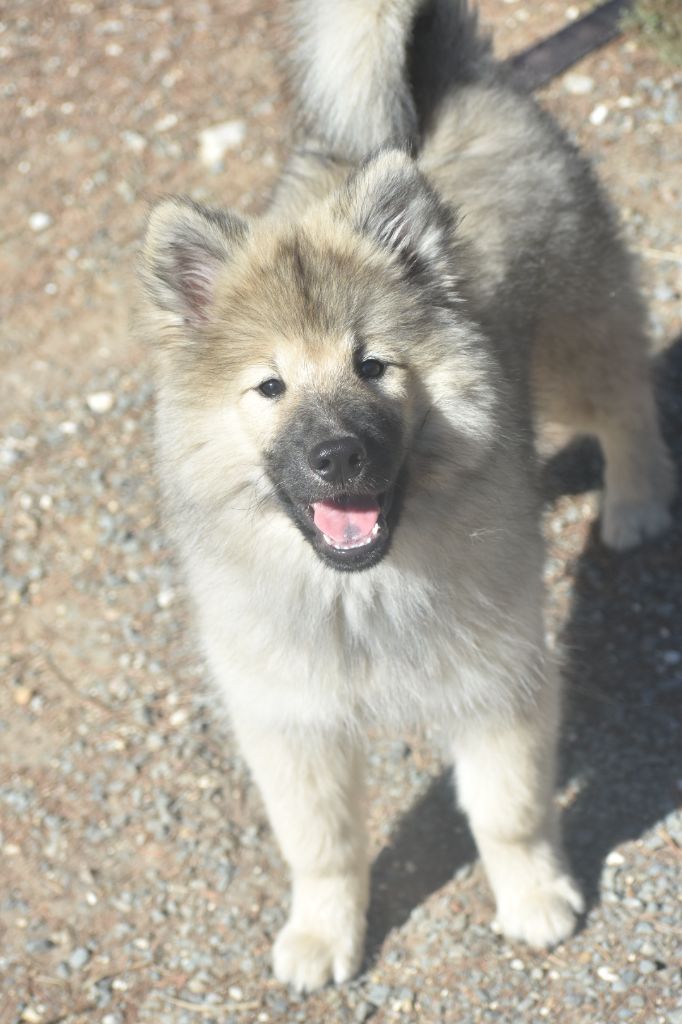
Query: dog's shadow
x=623 y=684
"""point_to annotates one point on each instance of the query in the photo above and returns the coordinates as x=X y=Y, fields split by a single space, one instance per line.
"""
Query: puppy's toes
x=306 y=959
x=627 y=523
x=542 y=915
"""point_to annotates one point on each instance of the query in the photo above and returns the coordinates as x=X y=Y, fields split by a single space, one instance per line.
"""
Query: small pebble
x=78 y=958
x=166 y=122
x=378 y=994
x=165 y=597
x=599 y=114
x=100 y=401
x=38 y=221
x=37 y=946
x=135 y=142
x=362 y=1011
x=31 y=1016
x=22 y=696
x=578 y=85
x=216 y=141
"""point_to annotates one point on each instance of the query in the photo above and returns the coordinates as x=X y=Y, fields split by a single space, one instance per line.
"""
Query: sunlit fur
x=488 y=275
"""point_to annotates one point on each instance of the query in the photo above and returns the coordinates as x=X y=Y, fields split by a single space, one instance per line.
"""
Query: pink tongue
x=345 y=524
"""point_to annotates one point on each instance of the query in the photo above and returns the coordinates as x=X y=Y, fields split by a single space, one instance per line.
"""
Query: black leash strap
x=534 y=67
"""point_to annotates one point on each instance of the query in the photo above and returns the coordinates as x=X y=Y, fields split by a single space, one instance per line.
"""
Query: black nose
x=338 y=460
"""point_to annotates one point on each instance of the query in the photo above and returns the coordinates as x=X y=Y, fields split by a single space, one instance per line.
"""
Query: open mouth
x=351 y=531
x=347 y=523
x=348 y=531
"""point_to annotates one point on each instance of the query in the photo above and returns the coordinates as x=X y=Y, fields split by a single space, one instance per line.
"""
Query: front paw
x=306 y=958
x=541 y=915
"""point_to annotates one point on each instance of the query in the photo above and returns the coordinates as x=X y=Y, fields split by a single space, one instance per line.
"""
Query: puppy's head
x=321 y=371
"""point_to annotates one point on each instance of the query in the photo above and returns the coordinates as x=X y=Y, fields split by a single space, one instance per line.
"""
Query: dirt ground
x=138 y=878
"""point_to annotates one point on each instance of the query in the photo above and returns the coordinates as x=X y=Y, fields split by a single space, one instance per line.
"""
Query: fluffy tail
x=367 y=73
x=349 y=68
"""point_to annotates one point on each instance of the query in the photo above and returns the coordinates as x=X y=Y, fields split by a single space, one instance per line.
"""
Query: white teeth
x=358 y=544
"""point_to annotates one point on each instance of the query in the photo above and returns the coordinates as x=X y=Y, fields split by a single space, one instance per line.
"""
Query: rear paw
x=542 y=915
x=627 y=523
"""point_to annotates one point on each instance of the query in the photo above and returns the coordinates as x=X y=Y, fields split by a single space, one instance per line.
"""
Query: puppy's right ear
x=185 y=248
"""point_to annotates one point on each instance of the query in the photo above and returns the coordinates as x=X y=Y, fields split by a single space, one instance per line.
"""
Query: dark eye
x=371 y=369
x=272 y=388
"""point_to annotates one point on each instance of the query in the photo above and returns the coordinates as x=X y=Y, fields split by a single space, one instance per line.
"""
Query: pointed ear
x=185 y=248
x=391 y=201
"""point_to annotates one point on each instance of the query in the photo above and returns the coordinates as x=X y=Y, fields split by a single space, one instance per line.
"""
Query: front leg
x=505 y=778
x=312 y=789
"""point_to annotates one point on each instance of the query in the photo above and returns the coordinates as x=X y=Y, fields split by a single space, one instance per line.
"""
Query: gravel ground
x=140 y=881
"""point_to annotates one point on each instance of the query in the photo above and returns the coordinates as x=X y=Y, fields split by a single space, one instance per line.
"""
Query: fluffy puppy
x=347 y=395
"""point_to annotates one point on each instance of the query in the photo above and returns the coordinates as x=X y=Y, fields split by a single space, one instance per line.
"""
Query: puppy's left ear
x=185 y=249
x=391 y=201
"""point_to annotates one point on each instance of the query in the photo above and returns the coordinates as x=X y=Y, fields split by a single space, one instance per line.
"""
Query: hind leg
x=639 y=477
x=592 y=375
